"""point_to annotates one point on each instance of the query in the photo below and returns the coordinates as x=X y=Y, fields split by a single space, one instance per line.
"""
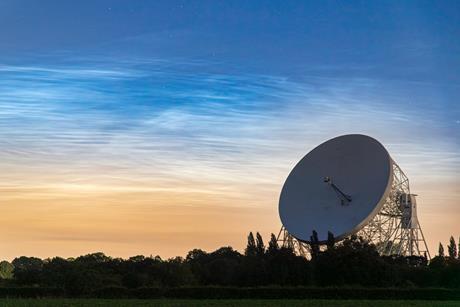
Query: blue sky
x=211 y=103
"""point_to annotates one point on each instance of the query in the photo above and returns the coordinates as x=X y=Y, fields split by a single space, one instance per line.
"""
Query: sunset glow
x=184 y=141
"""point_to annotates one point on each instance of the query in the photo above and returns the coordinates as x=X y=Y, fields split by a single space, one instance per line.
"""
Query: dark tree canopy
x=6 y=270
x=352 y=261
x=251 y=249
x=330 y=240
x=272 y=245
x=260 y=246
x=441 y=250
x=452 y=248
x=314 y=244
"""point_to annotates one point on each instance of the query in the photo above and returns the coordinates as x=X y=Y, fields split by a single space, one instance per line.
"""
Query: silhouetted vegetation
x=352 y=263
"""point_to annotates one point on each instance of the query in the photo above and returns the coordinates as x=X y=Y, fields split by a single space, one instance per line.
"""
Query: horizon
x=157 y=128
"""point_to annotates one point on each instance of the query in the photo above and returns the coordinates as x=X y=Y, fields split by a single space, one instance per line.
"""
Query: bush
x=31 y=292
x=279 y=293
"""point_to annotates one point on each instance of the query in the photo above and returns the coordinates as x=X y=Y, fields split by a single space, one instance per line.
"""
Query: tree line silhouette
x=351 y=262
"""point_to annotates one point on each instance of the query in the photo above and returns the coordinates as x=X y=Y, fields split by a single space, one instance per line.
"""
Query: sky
x=141 y=127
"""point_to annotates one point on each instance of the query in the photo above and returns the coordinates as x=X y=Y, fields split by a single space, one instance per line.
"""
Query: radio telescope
x=350 y=185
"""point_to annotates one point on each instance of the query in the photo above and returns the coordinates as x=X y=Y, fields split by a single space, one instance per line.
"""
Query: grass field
x=216 y=303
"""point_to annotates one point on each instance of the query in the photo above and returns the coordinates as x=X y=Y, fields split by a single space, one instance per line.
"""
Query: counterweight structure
x=395 y=230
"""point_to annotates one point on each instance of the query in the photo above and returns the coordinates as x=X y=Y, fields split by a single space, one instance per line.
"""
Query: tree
x=272 y=245
x=222 y=267
x=441 y=250
x=354 y=261
x=27 y=270
x=452 y=248
x=314 y=244
x=330 y=241
x=196 y=254
x=138 y=258
x=251 y=249
x=6 y=270
x=93 y=258
x=260 y=246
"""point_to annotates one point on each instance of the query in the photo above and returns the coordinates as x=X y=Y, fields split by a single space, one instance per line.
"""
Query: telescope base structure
x=395 y=230
x=286 y=240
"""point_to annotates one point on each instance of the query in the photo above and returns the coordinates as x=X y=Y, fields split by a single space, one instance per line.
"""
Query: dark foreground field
x=224 y=303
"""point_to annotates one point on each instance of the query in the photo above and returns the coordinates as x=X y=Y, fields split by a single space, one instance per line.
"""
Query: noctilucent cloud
x=138 y=127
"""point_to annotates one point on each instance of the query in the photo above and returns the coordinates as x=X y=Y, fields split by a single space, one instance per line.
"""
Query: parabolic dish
x=339 y=187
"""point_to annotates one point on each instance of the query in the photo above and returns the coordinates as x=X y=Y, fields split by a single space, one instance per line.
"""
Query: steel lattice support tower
x=285 y=239
x=395 y=230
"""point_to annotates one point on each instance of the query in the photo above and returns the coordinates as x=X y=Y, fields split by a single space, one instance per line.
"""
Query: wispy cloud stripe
x=147 y=134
